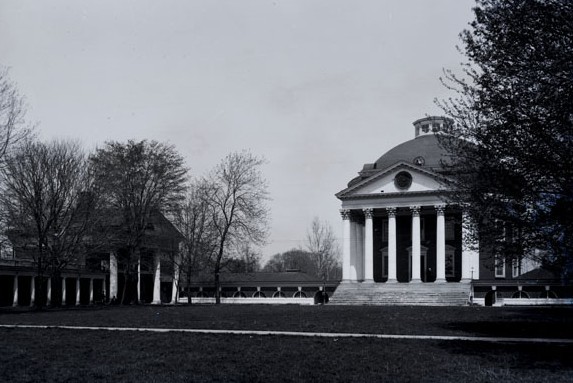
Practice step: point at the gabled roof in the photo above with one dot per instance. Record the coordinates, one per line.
(383, 172)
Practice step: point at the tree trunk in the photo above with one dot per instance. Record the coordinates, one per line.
(217, 286)
(189, 285)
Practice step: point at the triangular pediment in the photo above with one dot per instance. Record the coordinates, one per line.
(401, 178)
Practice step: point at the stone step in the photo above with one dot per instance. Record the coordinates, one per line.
(441, 294)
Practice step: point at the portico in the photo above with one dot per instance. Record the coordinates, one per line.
(398, 226)
(421, 249)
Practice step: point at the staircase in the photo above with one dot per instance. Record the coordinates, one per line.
(401, 294)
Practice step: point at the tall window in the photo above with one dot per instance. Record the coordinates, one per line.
(516, 268)
(499, 266)
(385, 230)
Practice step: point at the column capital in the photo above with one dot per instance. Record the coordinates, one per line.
(440, 209)
(391, 212)
(345, 213)
(368, 213)
(415, 210)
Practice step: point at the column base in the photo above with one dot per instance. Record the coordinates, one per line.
(392, 281)
(441, 280)
(468, 280)
(156, 302)
(368, 281)
(415, 281)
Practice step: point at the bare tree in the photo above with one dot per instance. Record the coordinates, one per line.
(194, 221)
(12, 114)
(237, 195)
(137, 180)
(323, 247)
(48, 208)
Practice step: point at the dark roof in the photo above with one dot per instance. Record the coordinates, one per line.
(275, 278)
(425, 146)
(539, 274)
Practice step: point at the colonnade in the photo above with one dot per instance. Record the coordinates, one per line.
(358, 246)
(16, 290)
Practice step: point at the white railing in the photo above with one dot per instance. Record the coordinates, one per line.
(252, 301)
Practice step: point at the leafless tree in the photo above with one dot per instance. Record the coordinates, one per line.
(137, 180)
(47, 203)
(12, 113)
(323, 248)
(237, 195)
(194, 221)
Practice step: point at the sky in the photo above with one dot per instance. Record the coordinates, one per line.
(317, 87)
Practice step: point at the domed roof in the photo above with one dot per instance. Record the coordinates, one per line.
(424, 151)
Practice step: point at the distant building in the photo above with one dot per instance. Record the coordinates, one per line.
(403, 243)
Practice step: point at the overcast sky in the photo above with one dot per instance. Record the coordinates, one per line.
(316, 87)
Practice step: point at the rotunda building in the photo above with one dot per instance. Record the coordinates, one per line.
(398, 227)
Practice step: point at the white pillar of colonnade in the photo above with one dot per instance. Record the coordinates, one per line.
(346, 245)
(64, 291)
(175, 286)
(78, 291)
(368, 246)
(440, 244)
(49, 292)
(157, 281)
(15, 291)
(392, 264)
(113, 286)
(416, 246)
(32, 291)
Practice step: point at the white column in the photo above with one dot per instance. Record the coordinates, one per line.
(49, 292)
(368, 246)
(77, 291)
(139, 277)
(440, 244)
(32, 291)
(112, 276)
(392, 265)
(157, 281)
(64, 291)
(470, 252)
(415, 244)
(346, 245)
(353, 254)
(15, 292)
(91, 291)
(360, 250)
(175, 287)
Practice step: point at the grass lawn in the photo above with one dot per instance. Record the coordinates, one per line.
(28, 355)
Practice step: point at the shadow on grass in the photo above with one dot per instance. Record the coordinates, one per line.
(515, 356)
(514, 329)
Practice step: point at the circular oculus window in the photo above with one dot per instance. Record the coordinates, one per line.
(403, 180)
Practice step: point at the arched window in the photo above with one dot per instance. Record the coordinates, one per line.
(299, 294)
(279, 294)
(520, 294)
(202, 294)
(549, 294)
(239, 294)
(259, 294)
